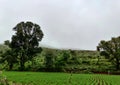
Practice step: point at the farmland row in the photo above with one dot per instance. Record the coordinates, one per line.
(40, 78)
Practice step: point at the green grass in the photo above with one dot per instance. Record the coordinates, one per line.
(41, 78)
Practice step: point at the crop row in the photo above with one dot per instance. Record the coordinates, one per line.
(40, 78)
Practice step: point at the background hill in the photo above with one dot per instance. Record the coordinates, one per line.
(67, 60)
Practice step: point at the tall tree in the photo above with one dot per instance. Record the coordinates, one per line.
(111, 50)
(49, 60)
(25, 41)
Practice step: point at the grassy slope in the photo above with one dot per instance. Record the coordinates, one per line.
(40, 78)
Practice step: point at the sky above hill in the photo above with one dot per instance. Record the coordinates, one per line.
(73, 24)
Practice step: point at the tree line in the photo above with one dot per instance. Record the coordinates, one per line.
(24, 50)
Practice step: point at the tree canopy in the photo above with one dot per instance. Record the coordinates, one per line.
(111, 50)
(25, 41)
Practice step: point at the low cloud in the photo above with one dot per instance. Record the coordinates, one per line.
(75, 24)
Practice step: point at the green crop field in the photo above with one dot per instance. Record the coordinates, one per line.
(41, 78)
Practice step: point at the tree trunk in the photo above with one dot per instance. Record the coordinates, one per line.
(117, 67)
(10, 66)
(22, 66)
(117, 64)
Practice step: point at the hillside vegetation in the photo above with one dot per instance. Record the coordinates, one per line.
(23, 53)
(77, 61)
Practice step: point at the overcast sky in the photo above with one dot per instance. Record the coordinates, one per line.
(75, 24)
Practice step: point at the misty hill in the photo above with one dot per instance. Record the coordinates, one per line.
(86, 53)
(80, 60)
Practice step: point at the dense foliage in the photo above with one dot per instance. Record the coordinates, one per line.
(24, 53)
(64, 60)
(24, 44)
(111, 50)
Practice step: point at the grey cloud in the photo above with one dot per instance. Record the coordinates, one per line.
(79, 24)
